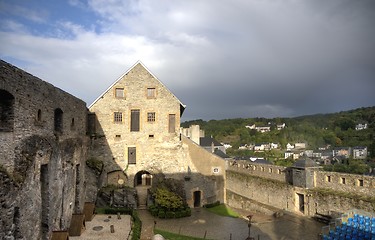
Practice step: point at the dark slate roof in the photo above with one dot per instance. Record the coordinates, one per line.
(220, 153)
(207, 141)
(305, 163)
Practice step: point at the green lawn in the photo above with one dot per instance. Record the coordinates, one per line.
(174, 236)
(223, 210)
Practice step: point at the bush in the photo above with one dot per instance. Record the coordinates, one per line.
(186, 212)
(178, 214)
(169, 214)
(161, 213)
(153, 210)
(126, 211)
(137, 226)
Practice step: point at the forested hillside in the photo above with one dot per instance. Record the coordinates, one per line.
(335, 129)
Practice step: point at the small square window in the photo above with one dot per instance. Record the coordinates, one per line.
(117, 117)
(343, 180)
(360, 182)
(119, 93)
(151, 92)
(151, 136)
(118, 136)
(151, 117)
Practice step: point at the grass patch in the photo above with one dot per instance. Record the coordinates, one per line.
(223, 210)
(174, 236)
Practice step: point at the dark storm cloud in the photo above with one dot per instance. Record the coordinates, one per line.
(223, 59)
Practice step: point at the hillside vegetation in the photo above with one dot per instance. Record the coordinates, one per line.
(320, 130)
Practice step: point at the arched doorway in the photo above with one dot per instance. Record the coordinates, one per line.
(143, 178)
(197, 195)
(6, 111)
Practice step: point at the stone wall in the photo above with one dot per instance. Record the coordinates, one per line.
(207, 174)
(42, 156)
(254, 186)
(345, 182)
(257, 169)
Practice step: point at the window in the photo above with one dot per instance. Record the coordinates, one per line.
(151, 92)
(39, 115)
(151, 117)
(58, 120)
(134, 120)
(117, 117)
(151, 136)
(360, 182)
(119, 93)
(279, 171)
(118, 136)
(172, 123)
(270, 170)
(343, 180)
(72, 124)
(328, 178)
(132, 159)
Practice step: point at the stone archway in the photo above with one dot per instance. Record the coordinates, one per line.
(143, 178)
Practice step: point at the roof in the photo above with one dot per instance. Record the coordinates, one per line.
(115, 82)
(220, 153)
(304, 163)
(207, 142)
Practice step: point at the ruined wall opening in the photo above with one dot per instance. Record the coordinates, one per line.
(6, 111)
(44, 186)
(58, 121)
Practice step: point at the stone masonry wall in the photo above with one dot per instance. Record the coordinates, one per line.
(253, 190)
(41, 168)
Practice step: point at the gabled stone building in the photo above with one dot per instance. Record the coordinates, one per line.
(136, 134)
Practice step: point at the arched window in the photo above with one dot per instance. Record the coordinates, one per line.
(6, 111)
(58, 120)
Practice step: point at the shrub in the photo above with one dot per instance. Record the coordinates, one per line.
(169, 214)
(186, 212)
(161, 213)
(137, 226)
(178, 214)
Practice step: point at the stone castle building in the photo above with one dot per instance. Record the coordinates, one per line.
(136, 133)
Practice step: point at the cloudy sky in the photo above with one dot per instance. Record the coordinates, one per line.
(222, 58)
